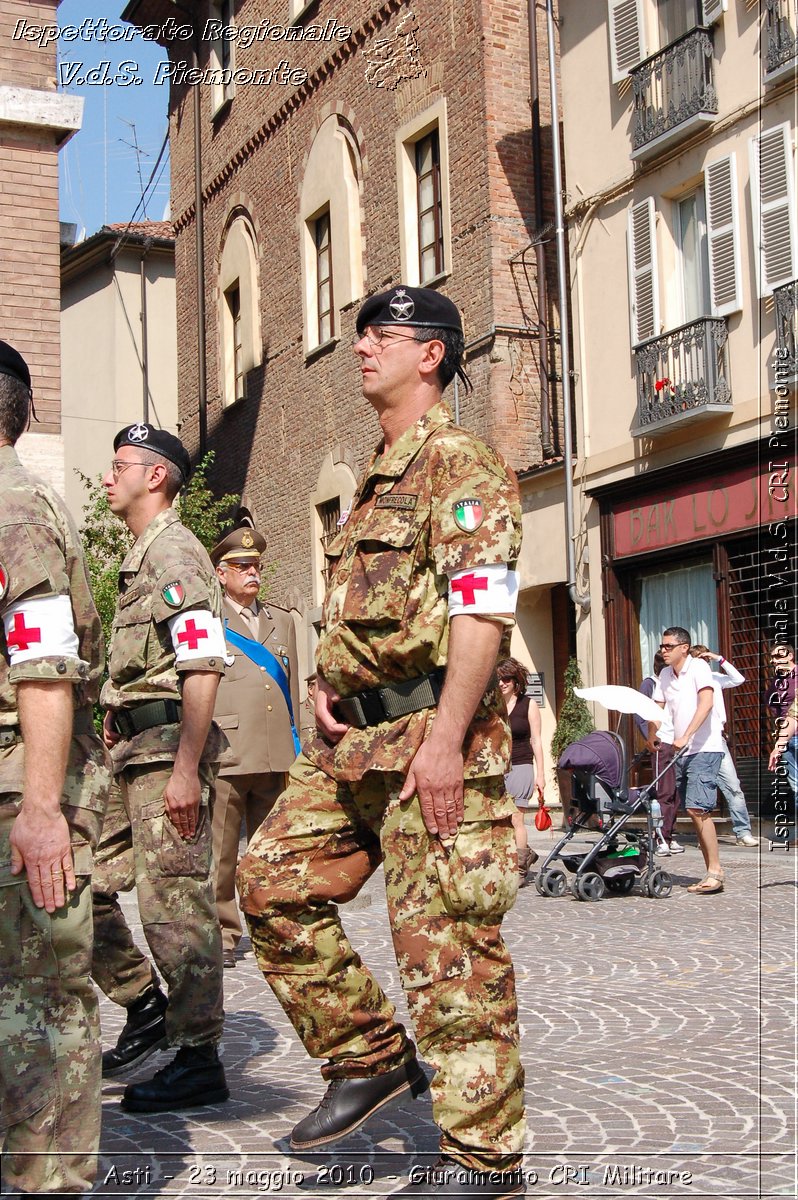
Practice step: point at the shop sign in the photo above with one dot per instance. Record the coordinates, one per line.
(691, 512)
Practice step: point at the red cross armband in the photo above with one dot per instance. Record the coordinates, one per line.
(43, 627)
(197, 633)
(488, 591)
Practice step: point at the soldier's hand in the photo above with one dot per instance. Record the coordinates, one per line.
(182, 797)
(326, 721)
(437, 776)
(110, 736)
(40, 843)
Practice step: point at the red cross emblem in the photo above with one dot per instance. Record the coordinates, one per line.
(191, 635)
(20, 637)
(469, 585)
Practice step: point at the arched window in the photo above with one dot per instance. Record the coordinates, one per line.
(330, 241)
(239, 308)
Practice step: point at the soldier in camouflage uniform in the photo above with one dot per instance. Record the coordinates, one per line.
(167, 656)
(54, 779)
(409, 770)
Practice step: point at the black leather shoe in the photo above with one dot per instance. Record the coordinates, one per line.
(195, 1076)
(144, 1033)
(347, 1103)
(449, 1178)
(228, 958)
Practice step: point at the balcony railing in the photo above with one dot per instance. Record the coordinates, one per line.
(673, 90)
(785, 356)
(781, 44)
(682, 374)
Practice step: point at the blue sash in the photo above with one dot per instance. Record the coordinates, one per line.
(262, 657)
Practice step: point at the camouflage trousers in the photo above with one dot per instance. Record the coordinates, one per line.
(319, 845)
(141, 848)
(49, 1035)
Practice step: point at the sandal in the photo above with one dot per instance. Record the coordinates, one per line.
(711, 883)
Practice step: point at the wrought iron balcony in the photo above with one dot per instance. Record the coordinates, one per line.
(681, 375)
(784, 364)
(674, 90)
(781, 43)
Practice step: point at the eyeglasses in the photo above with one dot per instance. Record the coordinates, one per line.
(671, 645)
(379, 337)
(118, 465)
(243, 568)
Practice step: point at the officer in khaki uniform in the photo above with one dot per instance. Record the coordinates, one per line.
(167, 656)
(257, 706)
(54, 780)
(408, 769)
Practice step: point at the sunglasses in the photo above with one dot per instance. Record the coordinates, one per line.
(671, 645)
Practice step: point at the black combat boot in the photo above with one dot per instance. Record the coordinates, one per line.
(143, 1034)
(347, 1103)
(194, 1076)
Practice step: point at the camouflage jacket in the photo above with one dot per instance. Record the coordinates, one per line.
(40, 557)
(165, 571)
(386, 615)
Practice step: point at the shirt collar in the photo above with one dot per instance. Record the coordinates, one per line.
(8, 457)
(242, 608)
(157, 525)
(394, 462)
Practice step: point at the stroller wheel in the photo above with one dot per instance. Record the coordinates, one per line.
(622, 886)
(551, 882)
(589, 887)
(658, 885)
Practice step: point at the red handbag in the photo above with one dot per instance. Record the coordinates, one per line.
(542, 816)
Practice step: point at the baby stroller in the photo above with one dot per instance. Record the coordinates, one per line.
(605, 804)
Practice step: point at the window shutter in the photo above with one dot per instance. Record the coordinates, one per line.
(626, 37)
(773, 204)
(723, 237)
(712, 11)
(643, 287)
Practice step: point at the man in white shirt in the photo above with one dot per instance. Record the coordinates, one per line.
(686, 691)
(728, 780)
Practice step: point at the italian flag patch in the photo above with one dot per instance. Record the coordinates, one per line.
(173, 594)
(468, 514)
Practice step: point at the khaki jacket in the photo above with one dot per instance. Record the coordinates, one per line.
(250, 707)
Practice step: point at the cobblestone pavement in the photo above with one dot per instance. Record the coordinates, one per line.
(658, 1039)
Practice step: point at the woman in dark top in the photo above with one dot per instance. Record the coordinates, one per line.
(525, 779)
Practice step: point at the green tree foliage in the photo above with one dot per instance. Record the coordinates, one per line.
(574, 721)
(106, 539)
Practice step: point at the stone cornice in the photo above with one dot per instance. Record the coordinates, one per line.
(50, 112)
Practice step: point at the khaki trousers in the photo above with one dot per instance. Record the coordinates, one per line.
(248, 798)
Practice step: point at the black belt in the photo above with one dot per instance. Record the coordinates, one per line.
(391, 701)
(82, 722)
(130, 721)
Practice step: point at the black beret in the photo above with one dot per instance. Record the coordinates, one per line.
(410, 306)
(243, 542)
(147, 437)
(12, 363)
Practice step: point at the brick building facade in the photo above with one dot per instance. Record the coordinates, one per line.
(402, 104)
(34, 121)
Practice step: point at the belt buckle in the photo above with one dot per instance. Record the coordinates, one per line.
(8, 737)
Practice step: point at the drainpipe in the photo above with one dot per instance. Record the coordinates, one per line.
(580, 599)
(145, 359)
(540, 249)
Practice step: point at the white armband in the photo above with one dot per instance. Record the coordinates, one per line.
(197, 633)
(490, 590)
(43, 627)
